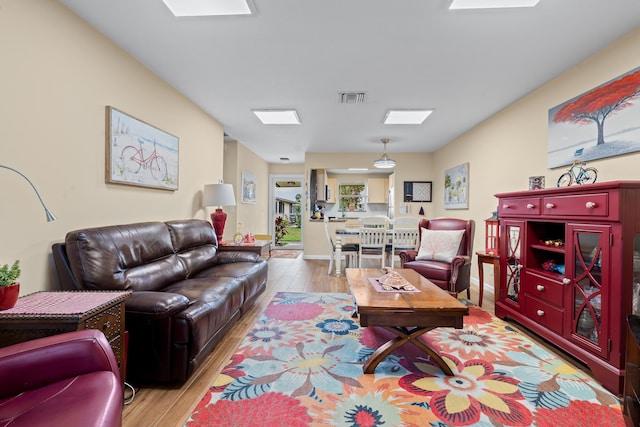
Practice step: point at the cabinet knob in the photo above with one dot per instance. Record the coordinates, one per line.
(540, 313)
(566, 281)
(106, 325)
(590, 205)
(530, 206)
(540, 288)
(550, 206)
(505, 206)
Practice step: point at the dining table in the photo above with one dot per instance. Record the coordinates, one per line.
(349, 235)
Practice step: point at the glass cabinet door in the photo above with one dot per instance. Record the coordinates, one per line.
(512, 244)
(589, 284)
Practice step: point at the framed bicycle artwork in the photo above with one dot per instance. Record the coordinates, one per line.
(139, 154)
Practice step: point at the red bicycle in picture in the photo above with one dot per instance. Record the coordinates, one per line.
(133, 160)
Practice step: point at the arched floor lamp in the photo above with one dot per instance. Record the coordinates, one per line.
(50, 216)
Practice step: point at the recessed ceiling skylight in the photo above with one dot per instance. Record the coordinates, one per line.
(278, 117)
(491, 4)
(406, 117)
(208, 7)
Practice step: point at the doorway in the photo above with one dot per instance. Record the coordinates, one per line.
(286, 195)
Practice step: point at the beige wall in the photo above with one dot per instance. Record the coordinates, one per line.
(512, 145)
(253, 217)
(58, 74)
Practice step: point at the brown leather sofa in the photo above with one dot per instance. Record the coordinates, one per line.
(70, 380)
(186, 294)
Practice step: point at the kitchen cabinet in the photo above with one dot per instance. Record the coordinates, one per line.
(378, 190)
(569, 264)
(332, 187)
(321, 185)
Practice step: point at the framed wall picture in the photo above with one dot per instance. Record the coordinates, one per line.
(139, 154)
(417, 191)
(248, 188)
(600, 123)
(456, 187)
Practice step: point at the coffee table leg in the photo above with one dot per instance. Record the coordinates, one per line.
(404, 335)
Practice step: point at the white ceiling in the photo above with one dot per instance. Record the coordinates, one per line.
(300, 54)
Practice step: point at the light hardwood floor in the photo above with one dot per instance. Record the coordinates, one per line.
(170, 406)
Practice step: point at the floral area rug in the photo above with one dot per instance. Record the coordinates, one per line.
(301, 365)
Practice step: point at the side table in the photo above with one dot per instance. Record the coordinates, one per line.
(260, 247)
(484, 258)
(42, 314)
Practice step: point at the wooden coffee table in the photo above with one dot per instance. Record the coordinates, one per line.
(407, 314)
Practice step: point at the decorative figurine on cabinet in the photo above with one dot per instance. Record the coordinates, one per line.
(578, 174)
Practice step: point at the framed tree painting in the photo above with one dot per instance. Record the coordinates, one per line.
(456, 187)
(139, 154)
(601, 122)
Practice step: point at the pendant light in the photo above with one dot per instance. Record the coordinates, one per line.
(384, 162)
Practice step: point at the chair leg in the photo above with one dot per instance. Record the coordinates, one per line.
(331, 255)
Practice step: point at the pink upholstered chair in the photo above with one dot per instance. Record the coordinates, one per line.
(71, 379)
(453, 276)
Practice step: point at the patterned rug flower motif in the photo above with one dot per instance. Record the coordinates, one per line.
(301, 365)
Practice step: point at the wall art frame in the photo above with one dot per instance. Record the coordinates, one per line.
(599, 123)
(249, 185)
(456, 187)
(139, 154)
(418, 191)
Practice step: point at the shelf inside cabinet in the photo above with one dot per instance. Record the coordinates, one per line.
(556, 249)
(552, 275)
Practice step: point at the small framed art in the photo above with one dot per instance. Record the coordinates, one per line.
(417, 191)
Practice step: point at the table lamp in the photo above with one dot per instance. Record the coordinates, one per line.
(218, 195)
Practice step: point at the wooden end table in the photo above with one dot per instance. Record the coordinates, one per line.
(42, 314)
(260, 247)
(484, 258)
(407, 314)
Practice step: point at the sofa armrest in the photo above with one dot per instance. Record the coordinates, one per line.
(155, 304)
(406, 256)
(229, 257)
(33, 364)
(460, 267)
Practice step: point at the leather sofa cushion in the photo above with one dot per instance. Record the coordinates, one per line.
(214, 301)
(252, 275)
(135, 256)
(195, 243)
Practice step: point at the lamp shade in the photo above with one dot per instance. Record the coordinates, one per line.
(218, 195)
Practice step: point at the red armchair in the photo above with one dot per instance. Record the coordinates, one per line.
(70, 379)
(454, 276)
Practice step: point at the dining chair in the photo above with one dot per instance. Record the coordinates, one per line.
(350, 250)
(405, 236)
(373, 238)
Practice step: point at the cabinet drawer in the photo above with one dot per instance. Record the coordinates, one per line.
(543, 313)
(544, 289)
(519, 206)
(107, 321)
(595, 204)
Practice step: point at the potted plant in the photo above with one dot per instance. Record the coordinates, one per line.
(9, 287)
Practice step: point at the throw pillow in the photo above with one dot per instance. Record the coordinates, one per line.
(439, 245)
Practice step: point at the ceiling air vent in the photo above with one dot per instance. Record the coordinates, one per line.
(351, 97)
